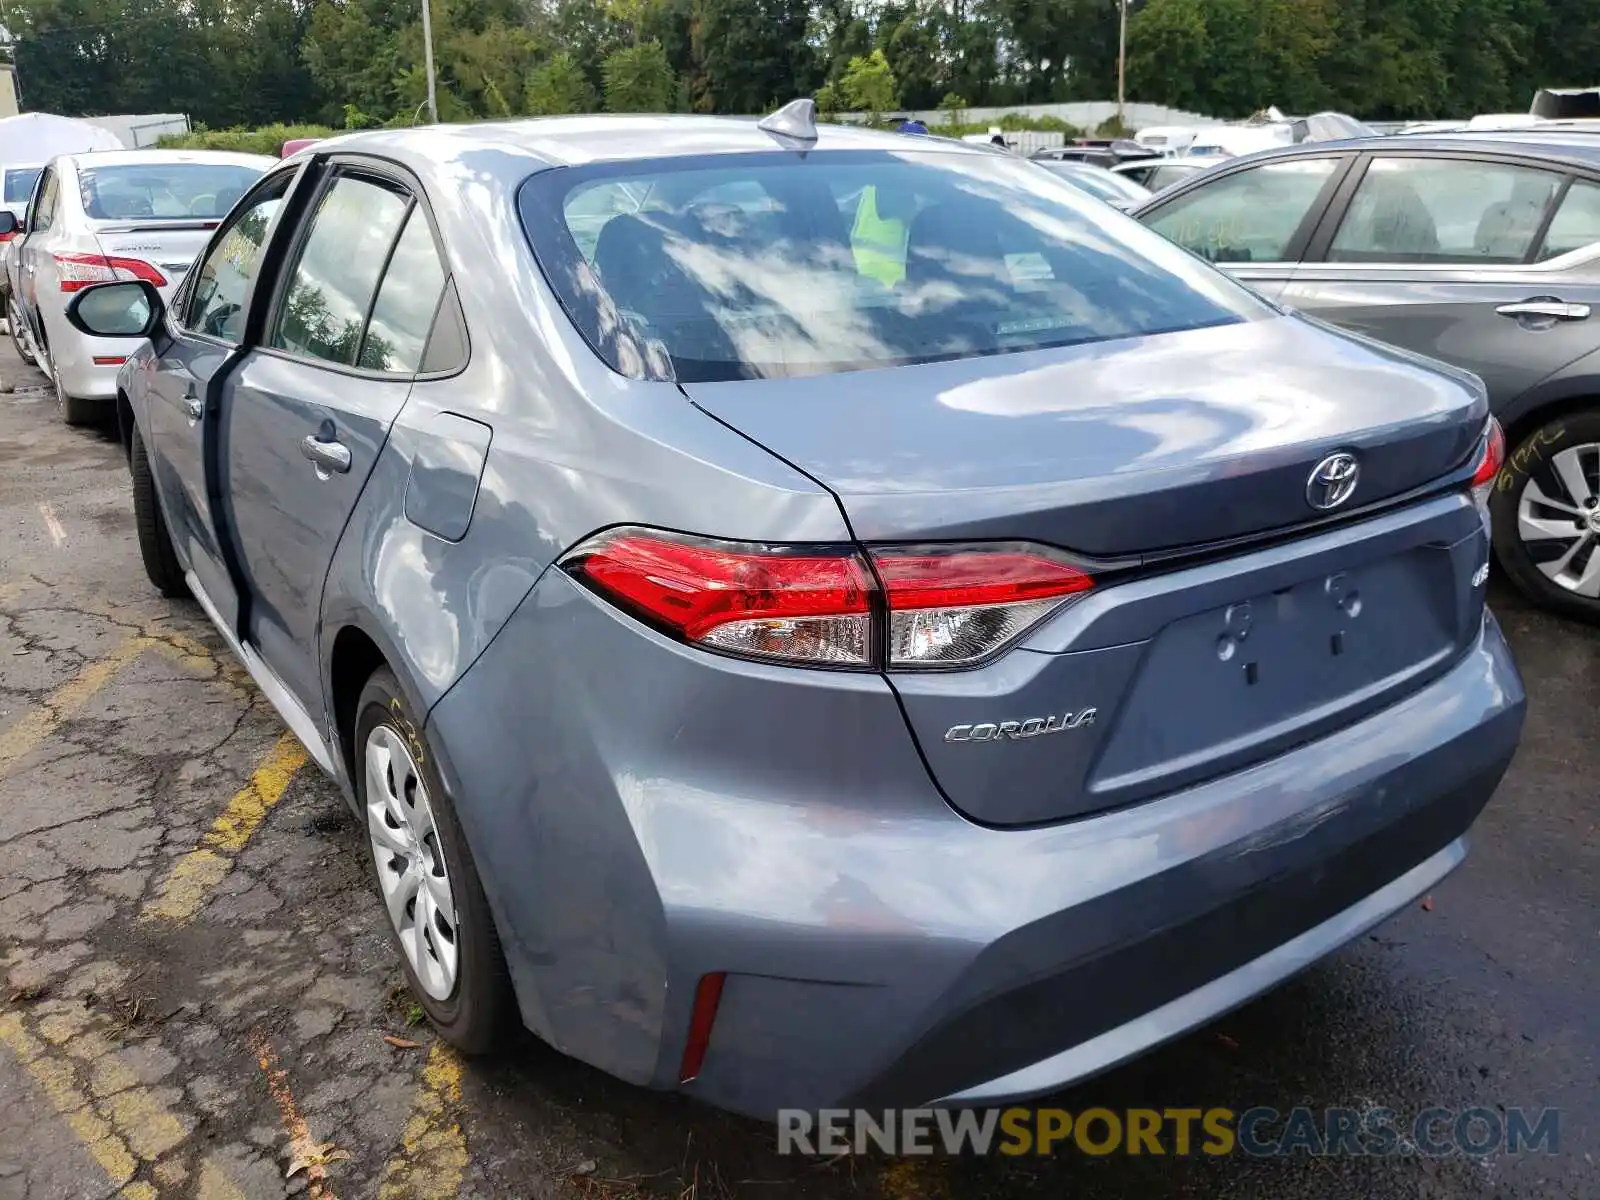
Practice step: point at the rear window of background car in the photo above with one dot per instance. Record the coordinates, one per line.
(760, 265)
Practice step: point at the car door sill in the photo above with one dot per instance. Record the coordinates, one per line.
(294, 714)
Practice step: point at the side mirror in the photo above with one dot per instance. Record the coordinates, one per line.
(123, 309)
(8, 222)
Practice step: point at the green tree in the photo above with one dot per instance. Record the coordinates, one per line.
(638, 79)
(750, 55)
(558, 86)
(868, 85)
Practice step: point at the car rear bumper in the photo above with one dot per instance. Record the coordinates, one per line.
(88, 365)
(644, 814)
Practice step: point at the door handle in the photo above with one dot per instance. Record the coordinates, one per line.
(1548, 310)
(327, 456)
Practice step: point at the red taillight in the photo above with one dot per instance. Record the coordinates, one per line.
(78, 271)
(949, 607)
(943, 606)
(706, 998)
(6, 237)
(1490, 460)
(758, 601)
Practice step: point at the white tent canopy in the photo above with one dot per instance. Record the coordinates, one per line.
(39, 137)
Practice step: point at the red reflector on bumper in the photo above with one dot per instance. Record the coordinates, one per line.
(706, 998)
(110, 360)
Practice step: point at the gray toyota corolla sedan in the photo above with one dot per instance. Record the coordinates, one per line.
(806, 616)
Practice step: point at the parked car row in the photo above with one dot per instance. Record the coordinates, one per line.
(806, 616)
(1482, 251)
(128, 214)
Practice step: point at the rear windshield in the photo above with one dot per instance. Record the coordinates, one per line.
(761, 265)
(171, 190)
(19, 183)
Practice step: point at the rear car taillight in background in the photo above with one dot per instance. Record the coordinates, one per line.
(829, 606)
(78, 271)
(1490, 459)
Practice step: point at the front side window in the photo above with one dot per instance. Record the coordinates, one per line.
(760, 265)
(1441, 210)
(1576, 224)
(163, 191)
(1248, 216)
(215, 306)
(324, 310)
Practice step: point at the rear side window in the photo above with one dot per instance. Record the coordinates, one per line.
(407, 300)
(1246, 216)
(45, 211)
(759, 265)
(1576, 223)
(323, 313)
(1440, 210)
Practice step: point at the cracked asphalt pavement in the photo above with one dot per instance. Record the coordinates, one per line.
(196, 982)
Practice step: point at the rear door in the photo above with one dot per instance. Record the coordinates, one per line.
(33, 254)
(1253, 222)
(1467, 258)
(309, 408)
(206, 327)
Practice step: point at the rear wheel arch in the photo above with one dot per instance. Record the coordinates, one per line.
(1541, 413)
(353, 660)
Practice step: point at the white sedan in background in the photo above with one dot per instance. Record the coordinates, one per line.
(118, 214)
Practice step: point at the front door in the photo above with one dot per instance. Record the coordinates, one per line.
(1462, 259)
(204, 332)
(308, 411)
(1252, 222)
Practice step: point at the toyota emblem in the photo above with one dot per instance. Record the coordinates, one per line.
(1333, 481)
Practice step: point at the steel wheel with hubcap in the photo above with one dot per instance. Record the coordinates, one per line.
(1546, 507)
(426, 876)
(411, 867)
(19, 340)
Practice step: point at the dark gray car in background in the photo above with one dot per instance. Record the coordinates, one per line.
(1481, 250)
(805, 616)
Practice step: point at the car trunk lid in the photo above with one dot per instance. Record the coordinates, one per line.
(169, 246)
(1190, 657)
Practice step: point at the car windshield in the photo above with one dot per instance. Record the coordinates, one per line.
(19, 183)
(163, 190)
(759, 265)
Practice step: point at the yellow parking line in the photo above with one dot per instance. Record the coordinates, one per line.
(433, 1151)
(119, 1121)
(184, 891)
(39, 723)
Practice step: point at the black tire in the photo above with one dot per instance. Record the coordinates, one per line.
(478, 1015)
(73, 409)
(1534, 462)
(18, 343)
(155, 543)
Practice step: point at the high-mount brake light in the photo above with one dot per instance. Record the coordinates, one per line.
(78, 271)
(1490, 459)
(941, 606)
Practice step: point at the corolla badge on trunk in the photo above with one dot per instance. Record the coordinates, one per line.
(1033, 727)
(1332, 481)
